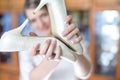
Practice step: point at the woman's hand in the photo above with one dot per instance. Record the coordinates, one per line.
(47, 50)
(82, 65)
(71, 30)
(50, 61)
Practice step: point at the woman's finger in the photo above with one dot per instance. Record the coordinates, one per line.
(44, 47)
(58, 53)
(35, 50)
(68, 19)
(51, 49)
(68, 29)
(73, 33)
(77, 40)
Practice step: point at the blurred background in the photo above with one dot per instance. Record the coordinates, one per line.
(99, 23)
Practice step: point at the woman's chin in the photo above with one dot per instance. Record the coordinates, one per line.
(47, 33)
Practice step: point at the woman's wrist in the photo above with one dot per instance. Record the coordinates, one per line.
(82, 66)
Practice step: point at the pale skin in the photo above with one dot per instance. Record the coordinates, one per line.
(41, 22)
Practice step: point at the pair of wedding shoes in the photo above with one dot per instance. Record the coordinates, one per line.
(14, 41)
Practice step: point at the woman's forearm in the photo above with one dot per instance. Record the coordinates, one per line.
(43, 69)
(82, 67)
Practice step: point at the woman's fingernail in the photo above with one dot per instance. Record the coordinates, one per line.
(65, 22)
(43, 56)
(57, 60)
(66, 38)
(72, 42)
(49, 58)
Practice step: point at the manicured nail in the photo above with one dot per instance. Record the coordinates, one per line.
(49, 58)
(72, 42)
(43, 56)
(66, 38)
(57, 60)
(65, 22)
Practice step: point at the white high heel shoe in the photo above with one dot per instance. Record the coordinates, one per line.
(14, 41)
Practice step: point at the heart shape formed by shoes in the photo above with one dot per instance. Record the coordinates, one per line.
(14, 41)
